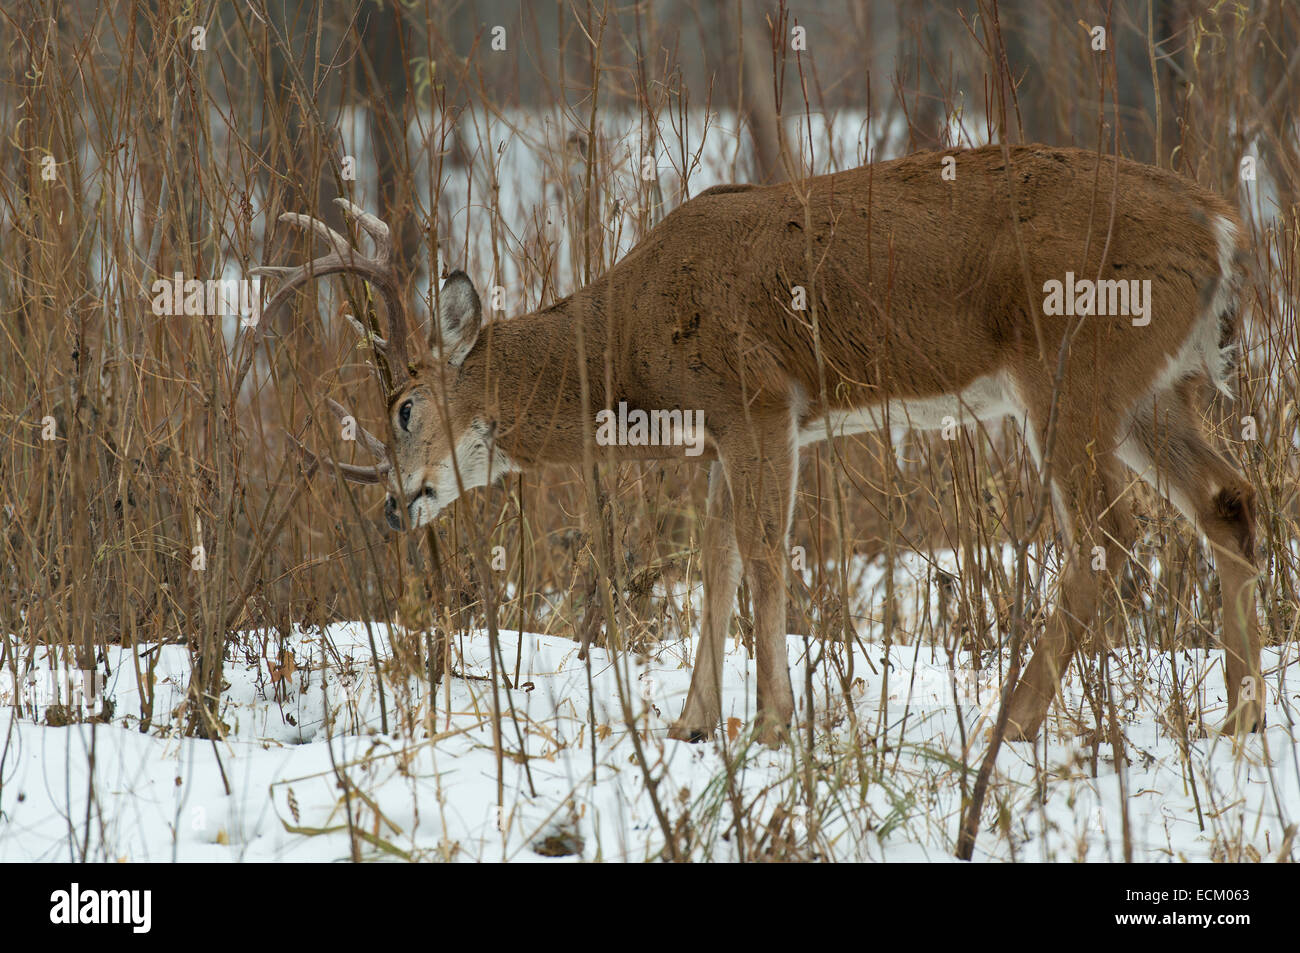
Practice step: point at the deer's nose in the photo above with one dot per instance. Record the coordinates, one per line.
(392, 515)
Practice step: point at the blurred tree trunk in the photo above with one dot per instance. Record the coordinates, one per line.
(756, 102)
(1051, 57)
(920, 43)
(382, 61)
(305, 144)
(1169, 22)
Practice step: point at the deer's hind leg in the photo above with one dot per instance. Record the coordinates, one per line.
(1167, 445)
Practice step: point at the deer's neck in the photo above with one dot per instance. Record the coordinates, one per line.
(526, 376)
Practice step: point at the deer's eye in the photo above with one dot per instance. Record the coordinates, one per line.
(404, 415)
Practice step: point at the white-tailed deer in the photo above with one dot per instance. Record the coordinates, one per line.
(790, 312)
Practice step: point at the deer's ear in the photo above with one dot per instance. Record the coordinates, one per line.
(460, 315)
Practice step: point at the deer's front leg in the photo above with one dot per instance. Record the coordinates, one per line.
(762, 482)
(721, 565)
(766, 576)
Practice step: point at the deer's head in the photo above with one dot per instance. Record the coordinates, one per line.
(441, 442)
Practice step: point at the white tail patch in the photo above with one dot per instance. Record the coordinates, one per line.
(1200, 352)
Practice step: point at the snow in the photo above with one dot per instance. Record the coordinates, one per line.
(886, 778)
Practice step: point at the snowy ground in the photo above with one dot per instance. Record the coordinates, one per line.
(428, 789)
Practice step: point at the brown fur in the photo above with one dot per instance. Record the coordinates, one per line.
(1234, 506)
(919, 287)
(919, 290)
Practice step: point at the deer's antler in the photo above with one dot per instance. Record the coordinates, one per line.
(377, 270)
(345, 259)
(349, 471)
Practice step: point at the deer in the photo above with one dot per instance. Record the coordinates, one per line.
(926, 297)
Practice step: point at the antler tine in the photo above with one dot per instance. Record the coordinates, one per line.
(381, 236)
(336, 241)
(375, 227)
(348, 471)
(373, 444)
(379, 344)
(343, 258)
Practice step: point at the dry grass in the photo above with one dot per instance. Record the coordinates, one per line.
(167, 431)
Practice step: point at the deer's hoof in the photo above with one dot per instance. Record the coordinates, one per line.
(772, 732)
(1248, 718)
(1024, 728)
(1026, 717)
(684, 732)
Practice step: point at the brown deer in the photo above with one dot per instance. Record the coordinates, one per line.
(795, 312)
